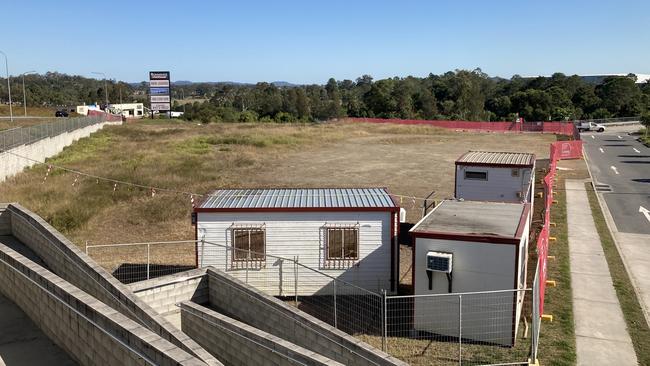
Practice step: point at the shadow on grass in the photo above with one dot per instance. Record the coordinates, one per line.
(134, 272)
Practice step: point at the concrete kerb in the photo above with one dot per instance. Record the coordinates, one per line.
(611, 226)
(89, 314)
(101, 283)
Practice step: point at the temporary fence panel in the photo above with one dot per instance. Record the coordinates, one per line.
(135, 262)
(562, 128)
(477, 328)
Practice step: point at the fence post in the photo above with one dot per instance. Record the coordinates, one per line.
(460, 329)
(247, 256)
(335, 319)
(203, 251)
(148, 259)
(384, 318)
(295, 279)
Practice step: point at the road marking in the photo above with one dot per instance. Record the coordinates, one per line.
(592, 136)
(614, 169)
(601, 150)
(619, 137)
(645, 212)
(636, 151)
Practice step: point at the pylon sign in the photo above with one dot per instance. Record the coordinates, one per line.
(159, 91)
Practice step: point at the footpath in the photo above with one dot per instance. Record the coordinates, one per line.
(601, 333)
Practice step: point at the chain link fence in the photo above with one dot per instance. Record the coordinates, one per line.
(477, 328)
(15, 137)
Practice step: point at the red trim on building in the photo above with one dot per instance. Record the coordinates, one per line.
(522, 221)
(489, 239)
(297, 209)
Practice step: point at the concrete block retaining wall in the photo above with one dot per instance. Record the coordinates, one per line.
(163, 293)
(5, 220)
(69, 262)
(239, 344)
(241, 301)
(91, 332)
(42, 149)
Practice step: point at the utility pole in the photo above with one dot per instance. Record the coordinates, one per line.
(24, 92)
(105, 86)
(11, 110)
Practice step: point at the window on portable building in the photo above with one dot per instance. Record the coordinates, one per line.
(475, 175)
(249, 244)
(342, 243)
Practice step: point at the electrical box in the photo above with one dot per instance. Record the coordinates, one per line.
(439, 262)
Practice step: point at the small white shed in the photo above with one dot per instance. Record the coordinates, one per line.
(350, 234)
(471, 246)
(495, 176)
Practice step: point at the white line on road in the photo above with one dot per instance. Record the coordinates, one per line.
(614, 169)
(636, 150)
(619, 136)
(601, 150)
(645, 212)
(592, 136)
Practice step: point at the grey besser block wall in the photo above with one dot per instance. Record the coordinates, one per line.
(238, 344)
(163, 293)
(5, 220)
(69, 262)
(271, 315)
(75, 333)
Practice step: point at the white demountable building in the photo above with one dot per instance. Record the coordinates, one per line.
(495, 176)
(349, 234)
(128, 110)
(471, 246)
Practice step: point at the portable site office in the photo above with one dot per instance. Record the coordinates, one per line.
(347, 233)
(495, 176)
(471, 246)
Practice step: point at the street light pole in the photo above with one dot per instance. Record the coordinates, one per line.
(24, 93)
(11, 111)
(183, 92)
(105, 86)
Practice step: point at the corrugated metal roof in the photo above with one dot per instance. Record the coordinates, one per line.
(473, 217)
(299, 198)
(496, 158)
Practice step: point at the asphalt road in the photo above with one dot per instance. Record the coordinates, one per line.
(618, 160)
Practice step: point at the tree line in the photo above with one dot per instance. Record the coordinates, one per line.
(54, 89)
(457, 95)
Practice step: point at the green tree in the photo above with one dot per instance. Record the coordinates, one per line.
(645, 121)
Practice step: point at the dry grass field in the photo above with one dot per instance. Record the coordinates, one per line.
(409, 160)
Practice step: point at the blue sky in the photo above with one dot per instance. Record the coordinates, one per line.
(309, 41)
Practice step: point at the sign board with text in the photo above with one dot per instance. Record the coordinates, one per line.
(159, 91)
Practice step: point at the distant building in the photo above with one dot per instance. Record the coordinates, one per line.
(82, 110)
(128, 110)
(349, 234)
(599, 79)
